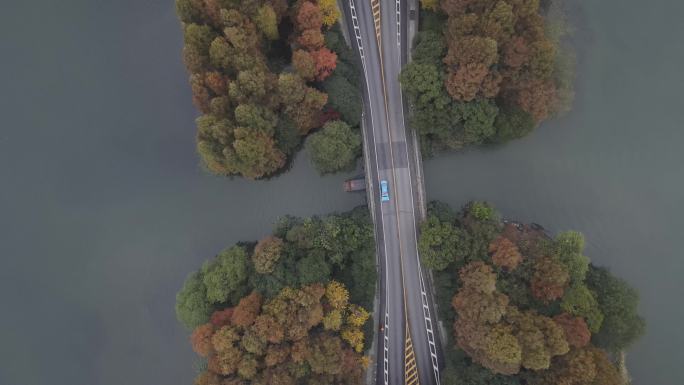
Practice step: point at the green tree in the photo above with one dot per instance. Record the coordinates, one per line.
(434, 114)
(622, 325)
(475, 374)
(478, 120)
(313, 268)
(287, 136)
(442, 211)
(502, 351)
(301, 103)
(304, 64)
(482, 224)
(326, 354)
(539, 337)
(220, 53)
(482, 211)
(225, 276)
(569, 246)
(291, 89)
(503, 52)
(192, 307)
(334, 40)
(440, 243)
(334, 148)
(344, 97)
(423, 83)
(266, 20)
(250, 86)
(188, 12)
(429, 47)
(257, 153)
(198, 38)
(512, 123)
(580, 301)
(333, 320)
(256, 118)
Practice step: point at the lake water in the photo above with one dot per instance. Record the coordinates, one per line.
(104, 208)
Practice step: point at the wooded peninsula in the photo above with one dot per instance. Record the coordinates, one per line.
(523, 307)
(264, 75)
(292, 308)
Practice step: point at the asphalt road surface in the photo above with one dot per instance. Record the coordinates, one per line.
(378, 32)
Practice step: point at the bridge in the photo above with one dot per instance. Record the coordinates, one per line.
(407, 347)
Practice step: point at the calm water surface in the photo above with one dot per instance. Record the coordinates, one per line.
(612, 169)
(104, 209)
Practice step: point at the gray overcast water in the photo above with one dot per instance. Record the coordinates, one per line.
(104, 208)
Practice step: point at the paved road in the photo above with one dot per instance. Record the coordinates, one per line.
(405, 307)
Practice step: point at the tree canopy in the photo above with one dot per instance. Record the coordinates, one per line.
(255, 106)
(498, 63)
(290, 308)
(334, 148)
(192, 306)
(284, 337)
(439, 243)
(528, 309)
(621, 325)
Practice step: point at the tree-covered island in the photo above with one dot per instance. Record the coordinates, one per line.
(521, 307)
(487, 71)
(265, 74)
(290, 309)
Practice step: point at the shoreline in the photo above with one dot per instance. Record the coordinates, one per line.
(621, 363)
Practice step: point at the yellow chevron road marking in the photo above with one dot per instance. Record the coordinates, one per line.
(410, 368)
(375, 6)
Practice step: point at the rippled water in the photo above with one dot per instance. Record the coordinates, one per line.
(104, 209)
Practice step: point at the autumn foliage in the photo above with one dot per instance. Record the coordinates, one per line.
(266, 254)
(575, 329)
(497, 334)
(325, 62)
(284, 338)
(549, 279)
(505, 253)
(586, 366)
(487, 71)
(228, 52)
(309, 21)
(532, 309)
(288, 309)
(499, 48)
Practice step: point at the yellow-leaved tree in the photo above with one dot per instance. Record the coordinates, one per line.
(330, 11)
